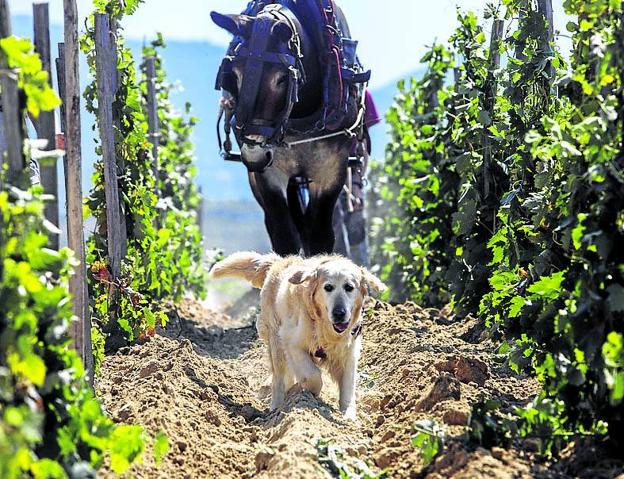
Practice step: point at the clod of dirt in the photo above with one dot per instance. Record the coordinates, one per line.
(446, 387)
(125, 412)
(466, 370)
(263, 458)
(149, 369)
(455, 417)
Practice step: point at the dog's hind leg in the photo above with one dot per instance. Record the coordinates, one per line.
(278, 375)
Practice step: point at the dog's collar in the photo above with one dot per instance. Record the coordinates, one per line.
(320, 353)
(357, 330)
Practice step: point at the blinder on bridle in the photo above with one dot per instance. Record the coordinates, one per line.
(254, 50)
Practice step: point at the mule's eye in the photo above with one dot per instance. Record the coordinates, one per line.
(348, 288)
(281, 80)
(329, 288)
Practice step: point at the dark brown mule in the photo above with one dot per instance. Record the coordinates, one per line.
(276, 169)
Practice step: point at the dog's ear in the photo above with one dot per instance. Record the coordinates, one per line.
(372, 282)
(302, 275)
(235, 24)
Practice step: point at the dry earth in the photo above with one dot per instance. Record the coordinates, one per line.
(199, 381)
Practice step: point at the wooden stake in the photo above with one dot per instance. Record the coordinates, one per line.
(545, 7)
(200, 211)
(3, 144)
(12, 119)
(498, 28)
(106, 79)
(46, 125)
(81, 331)
(152, 110)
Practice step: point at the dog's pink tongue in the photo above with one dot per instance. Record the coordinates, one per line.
(342, 327)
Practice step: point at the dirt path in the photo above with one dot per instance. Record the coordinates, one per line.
(201, 388)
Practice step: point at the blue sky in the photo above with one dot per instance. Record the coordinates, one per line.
(393, 34)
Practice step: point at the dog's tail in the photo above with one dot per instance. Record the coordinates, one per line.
(252, 267)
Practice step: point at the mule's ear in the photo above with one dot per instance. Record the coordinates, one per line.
(235, 24)
(282, 31)
(302, 275)
(373, 282)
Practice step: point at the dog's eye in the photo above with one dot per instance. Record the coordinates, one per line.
(348, 288)
(329, 288)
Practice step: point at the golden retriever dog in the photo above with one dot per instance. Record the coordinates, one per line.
(310, 318)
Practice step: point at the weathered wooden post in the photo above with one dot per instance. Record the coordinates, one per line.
(2, 143)
(106, 72)
(12, 119)
(5, 28)
(545, 7)
(152, 110)
(498, 27)
(200, 211)
(81, 331)
(46, 124)
(520, 46)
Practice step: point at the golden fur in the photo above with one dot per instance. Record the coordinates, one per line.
(310, 316)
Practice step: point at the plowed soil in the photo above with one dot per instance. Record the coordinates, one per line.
(200, 381)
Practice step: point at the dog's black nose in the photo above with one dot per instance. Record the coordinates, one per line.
(339, 314)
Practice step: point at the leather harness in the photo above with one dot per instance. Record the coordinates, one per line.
(340, 66)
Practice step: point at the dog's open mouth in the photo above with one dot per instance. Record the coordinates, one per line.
(341, 327)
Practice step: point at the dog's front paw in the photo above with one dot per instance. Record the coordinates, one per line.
(313, 383)
(350, 413)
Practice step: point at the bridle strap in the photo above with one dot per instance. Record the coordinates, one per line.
(253, 70)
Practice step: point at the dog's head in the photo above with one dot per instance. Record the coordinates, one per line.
(337, 290)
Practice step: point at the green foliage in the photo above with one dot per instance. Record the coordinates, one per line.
(50, 423)
(429, 438)
(489, 427)
(164, 250)
(417, 188)
(31, 78)
(336, 462)
(161, 447)
(535, 182)
(179, 197)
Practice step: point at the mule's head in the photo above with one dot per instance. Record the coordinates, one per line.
(262, 73)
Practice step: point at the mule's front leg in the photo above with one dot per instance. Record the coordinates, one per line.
(270, 193)
(321, 214)
(325, 189)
